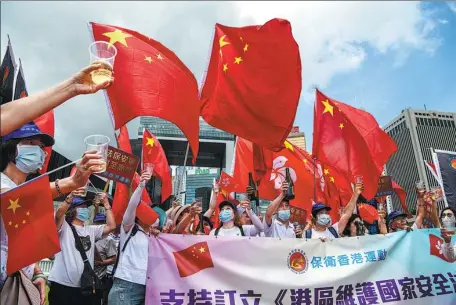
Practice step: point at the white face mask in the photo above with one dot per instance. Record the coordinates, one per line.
(324, 219)
(449, 222)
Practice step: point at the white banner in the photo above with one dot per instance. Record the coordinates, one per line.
(398, 268)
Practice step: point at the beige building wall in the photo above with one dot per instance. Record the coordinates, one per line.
(298, 139)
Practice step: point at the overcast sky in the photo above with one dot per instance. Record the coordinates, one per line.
(382, 56)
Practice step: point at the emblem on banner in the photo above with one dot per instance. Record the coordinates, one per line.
(297, 261)
(453, 163)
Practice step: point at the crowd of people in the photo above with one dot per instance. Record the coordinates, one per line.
(118, 255)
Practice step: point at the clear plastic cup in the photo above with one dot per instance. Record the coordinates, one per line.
(148, 168)
(99, 143)
(105, 53)
(358, 179)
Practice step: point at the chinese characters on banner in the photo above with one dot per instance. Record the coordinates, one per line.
(121, 166)
(346, 271)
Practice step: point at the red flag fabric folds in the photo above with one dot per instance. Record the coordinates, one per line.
(435, 247)
(28, 215)
(150, 81)
(351, 141)
(152, 152)
(253, 82)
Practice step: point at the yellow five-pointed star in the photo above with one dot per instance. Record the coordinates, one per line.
(222, 42)
(148, 59)
(16, 226)
(202, 250)
(237, 60)
(246, 47)
(331, 179)
(305, 160)
(159, 56)
(23, 221)
(10, 223)
(242, 39)
(288, 145)
(28, 213)
(328, 107)
(326, 171)
(225, 67)
(117, 36)
(14, 205)
(341, 126)
(150, 142)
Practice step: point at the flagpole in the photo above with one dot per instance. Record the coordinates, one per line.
(315, 178)
(183, 171)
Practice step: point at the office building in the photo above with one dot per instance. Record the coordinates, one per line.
(297, 138)
(416, 132)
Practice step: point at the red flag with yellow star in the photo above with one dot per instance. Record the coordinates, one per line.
(28, 215)
(253, 82)
(122, 194)
(153, 152)
(150, 80)
(351, 141)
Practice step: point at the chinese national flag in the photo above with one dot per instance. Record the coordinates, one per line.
(253, 82)
(153, 152)
(45, 122)
(122, 194)
(150, 80)
(193, 259)
(28, 215)
(436, 244)
(351, 141)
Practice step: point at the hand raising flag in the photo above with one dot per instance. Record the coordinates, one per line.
(351, 141)
(28, 215)
(150, 81)
(253, 82)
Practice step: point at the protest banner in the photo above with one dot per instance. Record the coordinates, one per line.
(121, 166)
(398, 268)
(385, 186)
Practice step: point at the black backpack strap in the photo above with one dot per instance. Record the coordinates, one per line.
(333, 232)
(242, 230)
(217, 231)
(134, 230)
(309, 233)
(79, 245)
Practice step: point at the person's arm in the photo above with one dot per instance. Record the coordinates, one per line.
(421, 204)
(110, 220)
(382, 223)
(272, 208)
(350, 207)
(39, 280)
(61, 211)
(184, 224)
(174, 204)
(80, 177)
(447, 248)
(434, 215)
(212, 202)
(129, 217)
(15, 114)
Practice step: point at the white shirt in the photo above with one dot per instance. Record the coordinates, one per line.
(68, 264)
(132, 265)
(325, 234)
(278, 229)
(249, 230)
(7, 183)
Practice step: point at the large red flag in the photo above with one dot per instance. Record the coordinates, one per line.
(122, 194)
(351, 141)
(401, 193)
(193, 259)
(28, 215)
(253, 82)
(152, 152)
(150, 81)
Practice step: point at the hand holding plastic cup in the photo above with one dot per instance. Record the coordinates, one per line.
(100, 144)
(104, 53)
(435, 192)
(82, 191)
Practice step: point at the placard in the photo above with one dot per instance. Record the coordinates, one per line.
(385, 186)
(121, 166)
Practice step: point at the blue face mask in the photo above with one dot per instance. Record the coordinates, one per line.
(226, 215)
(30, 158)
(284, 215)
(83, 214)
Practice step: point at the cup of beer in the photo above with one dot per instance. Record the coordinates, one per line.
(358, 179)
(104, 53)
(99, 143)
(148, 168)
